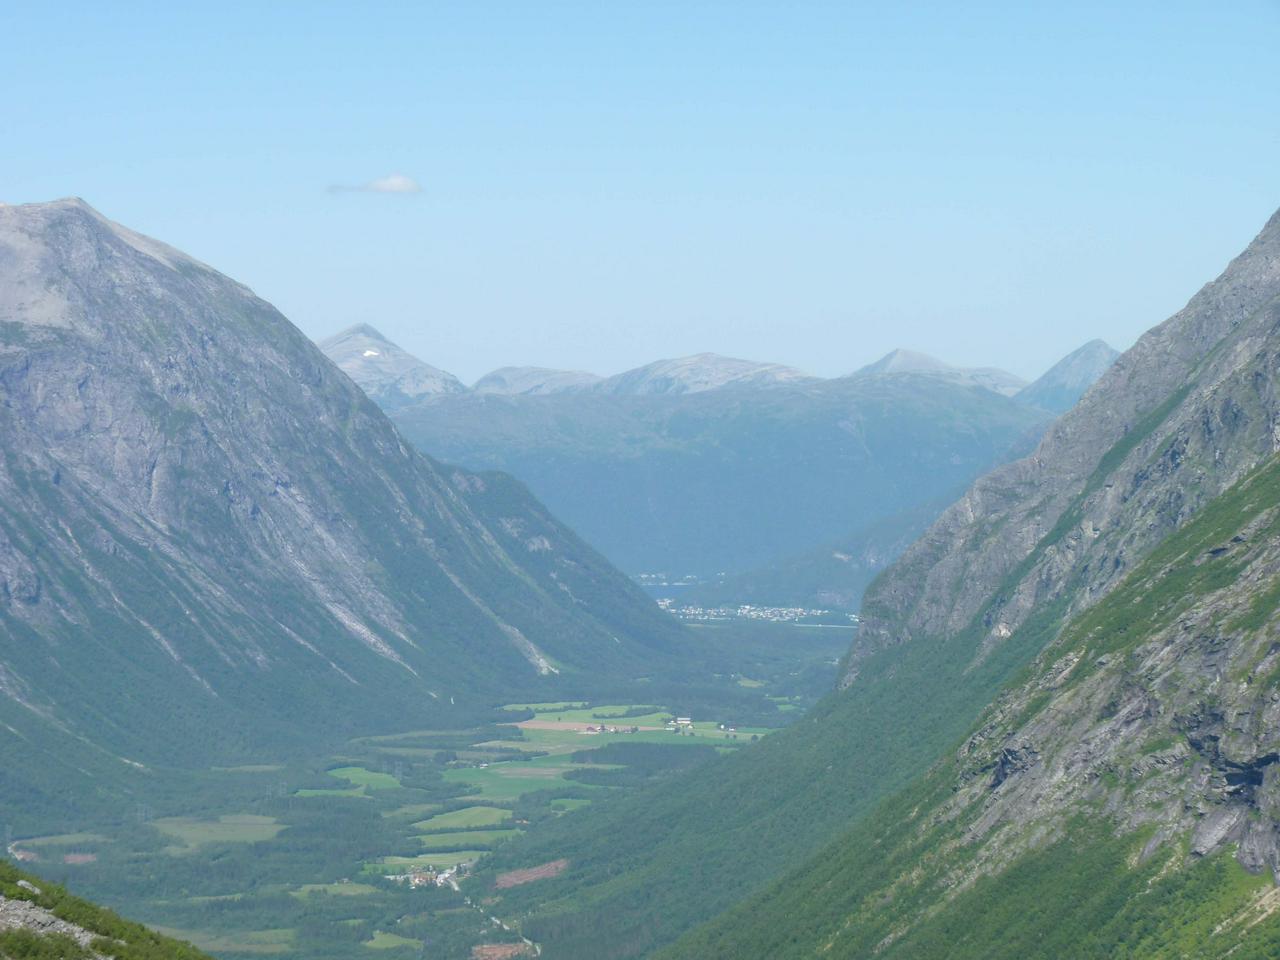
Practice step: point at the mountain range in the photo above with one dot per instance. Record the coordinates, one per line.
(664, 468)
(1055, 734)
(213, 544)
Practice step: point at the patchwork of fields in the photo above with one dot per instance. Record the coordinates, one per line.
(295, 860)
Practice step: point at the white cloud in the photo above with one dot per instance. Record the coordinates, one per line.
(391, 183)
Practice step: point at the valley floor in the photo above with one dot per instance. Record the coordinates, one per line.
(361, 851)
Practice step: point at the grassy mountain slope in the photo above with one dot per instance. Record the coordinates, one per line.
(1122, 801)
(1030, 548)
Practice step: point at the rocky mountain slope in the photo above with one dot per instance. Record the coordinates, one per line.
(41, 920)
(1132, 779)
(390, 376)
(1062, 385)
(1079, 651)
(212, 543)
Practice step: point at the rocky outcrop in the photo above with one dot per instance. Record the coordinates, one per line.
(24, 915)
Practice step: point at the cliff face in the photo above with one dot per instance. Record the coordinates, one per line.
(1179, 418)
(210, 538)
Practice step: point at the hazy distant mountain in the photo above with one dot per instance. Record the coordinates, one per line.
(534, 381)
(211, 541)
(724, 480)
(704, 371)
(390, 376)
(1065, 382)
(909, 361)
(707, 464)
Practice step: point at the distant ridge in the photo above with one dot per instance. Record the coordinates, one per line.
(698, 373)
(911, 361)
(535, 381)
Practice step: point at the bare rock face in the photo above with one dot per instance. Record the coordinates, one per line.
(203, 522)
(1157, 708)
(1175, 421)
(24, 915)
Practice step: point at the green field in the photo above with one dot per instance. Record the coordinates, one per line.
(514, 778)
(466, 838)
(388, 941)
(193, 833)
(469, 818)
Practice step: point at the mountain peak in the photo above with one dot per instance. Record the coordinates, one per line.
(358, 330)
(390, 375)
(903, 360)
(1059, 387)
(45, 237)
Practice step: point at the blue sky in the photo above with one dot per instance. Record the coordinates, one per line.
(607, 183)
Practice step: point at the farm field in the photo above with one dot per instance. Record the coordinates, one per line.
(482, 839)
(192, 833)
(468, 818)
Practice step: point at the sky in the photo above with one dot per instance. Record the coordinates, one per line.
(595, 185)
